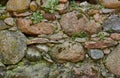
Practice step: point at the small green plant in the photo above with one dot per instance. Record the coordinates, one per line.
(74, 5)
(51, 6)
(81, 34)
(102, 35)
(37, 17)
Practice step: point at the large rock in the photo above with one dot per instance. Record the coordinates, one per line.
(74, 22)
(71, 24)
(111, 3)
(68, 51)
(12, 46)
(40, 70)
(18, 5)
(40, 28)
(113, 61)
(112, 24)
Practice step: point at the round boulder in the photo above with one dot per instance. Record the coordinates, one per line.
(68, 51)
(12, 46)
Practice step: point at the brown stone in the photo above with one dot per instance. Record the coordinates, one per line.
(115, 36)
(37, 41)
(108, 42)
(71, 24)
(36, 29)
(74, 22)
(111, 3)
(21, 14)
(18, 5)
(49, 16)
(68, 52)
(113, 61)
(93, 27)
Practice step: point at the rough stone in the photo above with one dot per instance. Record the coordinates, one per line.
(40, 70)
(82, 40)
(108, 42)
(113, 61)
(96, 54)
(106, 11)
(74, 22)
(36, 29)
(92, 27)
(49, 16)
(112, 24)
(42, 48)
(18, 5)
(115, 36)
(68, 51)
(12, 46)
(37, 41)
(15, 14)
(71, 24)
(58, 36)
(9, 21)
(3, 25)
(33, 54)
(111, 3)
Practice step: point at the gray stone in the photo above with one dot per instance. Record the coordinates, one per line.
(33, 54)
(113, 61)
(2, 70)
(61, 71)
(96, 54)
(112, 24)
(12, 46)
(42, 48)
(9, 21)
(40, 70)
(68, 51)
(105, 11)
(3, 25)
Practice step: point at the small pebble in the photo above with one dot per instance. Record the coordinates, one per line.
(96, 54)
(9, 21)
(80, 39)
(33, 6)
(106, 51)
